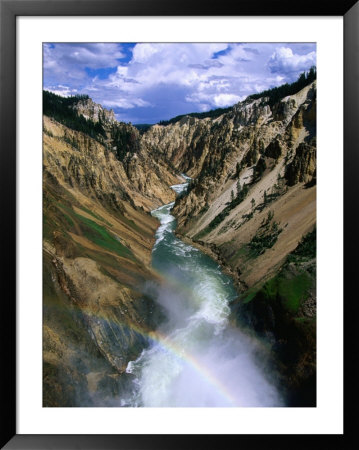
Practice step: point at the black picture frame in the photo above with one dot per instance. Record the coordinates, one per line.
(9, 10)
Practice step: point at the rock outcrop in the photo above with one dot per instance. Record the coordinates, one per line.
(251, 169)
(98, 237)
(303, 166)
(251, 202)
(87, 108)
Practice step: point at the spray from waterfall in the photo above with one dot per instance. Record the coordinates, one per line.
(195, 358)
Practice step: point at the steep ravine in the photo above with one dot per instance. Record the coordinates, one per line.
(97, 242)
(251, 206)
(196, 358)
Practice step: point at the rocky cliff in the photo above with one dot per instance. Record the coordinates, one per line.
(97, 241)
(251, 203)
(87, 108)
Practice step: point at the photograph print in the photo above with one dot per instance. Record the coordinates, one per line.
(179, 224)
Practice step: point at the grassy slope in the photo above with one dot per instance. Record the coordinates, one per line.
(284, 307)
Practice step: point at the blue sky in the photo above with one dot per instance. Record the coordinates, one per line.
(148, 82)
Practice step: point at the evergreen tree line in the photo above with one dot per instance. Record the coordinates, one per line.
(277, 93)
(125, 139)
(213, 114)
(142, 127)
(61, 109)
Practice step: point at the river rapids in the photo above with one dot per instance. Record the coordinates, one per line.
(196, 359)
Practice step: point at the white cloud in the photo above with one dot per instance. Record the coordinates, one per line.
(171, 79)
(64, 91)
(181, 64)
(209, 81)
(125, 103)
(222, 100)
(69, 61)
(143, 52)
(285, 61)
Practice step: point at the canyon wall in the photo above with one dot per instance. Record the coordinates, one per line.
(97, 241)
(251, 205)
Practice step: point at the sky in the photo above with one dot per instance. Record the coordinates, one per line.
(149, 82)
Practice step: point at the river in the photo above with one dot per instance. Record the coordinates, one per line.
(196, 358)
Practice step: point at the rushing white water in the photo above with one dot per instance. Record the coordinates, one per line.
(195, 358)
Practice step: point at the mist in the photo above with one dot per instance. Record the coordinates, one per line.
(195, 358)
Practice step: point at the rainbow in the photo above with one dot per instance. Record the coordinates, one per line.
(203, 371)
(165, 342)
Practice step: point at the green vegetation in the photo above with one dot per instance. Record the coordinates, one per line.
(238, 170)
(290, 287)
(239, 187)
(259, 169)
(125, 139)
(265, 238)
(213, 114)
(101, 237)
(143, 127)
(289, 291)
(284, 309)
(250, 294)
(293, 291)
(60, 216)
(306, 249)
(69, 220)
(277, 93)
(95, 216)
(61, 109)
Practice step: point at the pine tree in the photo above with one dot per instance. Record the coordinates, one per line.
(238, 187)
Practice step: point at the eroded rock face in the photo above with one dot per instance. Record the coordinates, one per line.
(210, 149)
(98, 238)
(252, 167)
(91, 110)
(230, 149)
(255, 166)
(78, 160)
(303, 166)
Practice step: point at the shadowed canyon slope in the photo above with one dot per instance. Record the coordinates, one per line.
(251, 205)
(98, 238)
